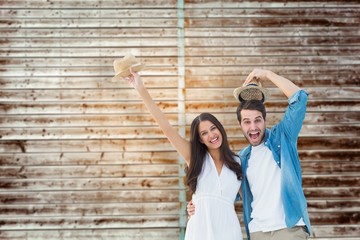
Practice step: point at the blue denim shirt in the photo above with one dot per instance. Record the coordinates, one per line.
(281, 139)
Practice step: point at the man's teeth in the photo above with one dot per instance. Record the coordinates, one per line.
(253, 135)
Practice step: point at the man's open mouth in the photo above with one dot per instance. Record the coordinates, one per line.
(254, 136)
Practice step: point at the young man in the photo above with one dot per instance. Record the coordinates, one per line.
(274, 204)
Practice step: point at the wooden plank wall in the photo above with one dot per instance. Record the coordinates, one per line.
(80, 156)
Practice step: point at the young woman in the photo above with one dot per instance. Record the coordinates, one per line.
(213, 172)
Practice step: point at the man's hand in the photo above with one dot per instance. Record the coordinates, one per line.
(257, 75)
(285, 85)
(190, 209)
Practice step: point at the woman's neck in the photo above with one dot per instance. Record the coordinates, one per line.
(215, 155)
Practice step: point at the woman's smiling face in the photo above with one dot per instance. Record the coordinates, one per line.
(253, 126)
(210, 135)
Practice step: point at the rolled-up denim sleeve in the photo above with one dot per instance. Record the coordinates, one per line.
(295, 114)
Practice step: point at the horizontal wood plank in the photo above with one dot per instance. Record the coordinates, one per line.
(333, 180)
(82, 82)
(83, 108)
(293, 21)
(320, 105)
(89, 197)
(341, 231)
(293, 71)
(94, 234)
(334, 205)
(94, 171)
(78, 4)
(36, 223)
(266, 12)
(341, 78)
(84, 95)
(348, 193)
(89, 158)
(88, 42)
(86, 51)
(92, 209)
(335, 218)
(267, 4)
(104, 71)
(92, 13)
(345, 166)
(82, 61)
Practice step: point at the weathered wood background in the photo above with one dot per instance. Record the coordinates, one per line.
(82, 159)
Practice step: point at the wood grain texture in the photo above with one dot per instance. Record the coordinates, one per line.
(81, 157)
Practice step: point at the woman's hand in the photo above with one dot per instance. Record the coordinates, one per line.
(134, 79)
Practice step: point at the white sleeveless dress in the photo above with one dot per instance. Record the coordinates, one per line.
(215, 217)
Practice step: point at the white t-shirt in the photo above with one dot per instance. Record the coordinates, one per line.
(264, 177)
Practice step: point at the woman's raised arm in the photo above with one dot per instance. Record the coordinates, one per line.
(180, 144)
